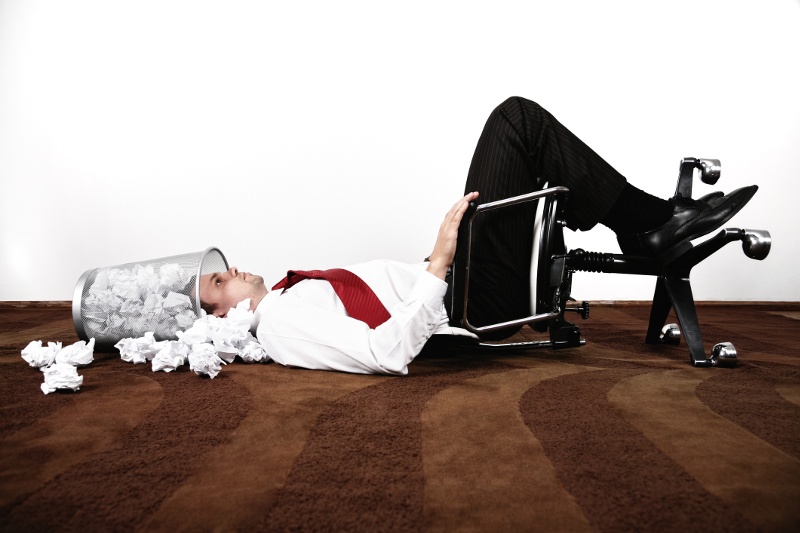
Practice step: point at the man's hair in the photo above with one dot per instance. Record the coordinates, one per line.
(205, 306)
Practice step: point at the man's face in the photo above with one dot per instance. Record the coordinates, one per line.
(221, 291)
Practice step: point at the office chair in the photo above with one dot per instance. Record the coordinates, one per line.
(552, 268)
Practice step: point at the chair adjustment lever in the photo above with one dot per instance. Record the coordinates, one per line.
(582, 310)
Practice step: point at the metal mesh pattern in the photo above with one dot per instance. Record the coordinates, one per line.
(159, 295)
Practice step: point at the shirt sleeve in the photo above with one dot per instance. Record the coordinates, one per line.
(298, 334)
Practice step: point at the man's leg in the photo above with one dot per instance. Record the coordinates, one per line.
(521, 148)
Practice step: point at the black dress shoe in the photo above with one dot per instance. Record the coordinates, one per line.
(711, 196)
(690, 219)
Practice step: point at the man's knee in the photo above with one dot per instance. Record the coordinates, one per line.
(518, 103)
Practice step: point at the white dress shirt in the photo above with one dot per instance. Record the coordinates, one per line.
(307, 325)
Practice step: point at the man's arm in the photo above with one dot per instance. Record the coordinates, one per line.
(445, 248)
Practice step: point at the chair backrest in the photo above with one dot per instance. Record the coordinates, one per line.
(546, 273)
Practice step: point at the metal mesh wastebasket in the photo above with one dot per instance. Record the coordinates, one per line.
(158, 295)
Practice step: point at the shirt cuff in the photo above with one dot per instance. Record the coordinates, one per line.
(429, 288)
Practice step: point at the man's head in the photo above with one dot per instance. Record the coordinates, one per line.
(221, 291)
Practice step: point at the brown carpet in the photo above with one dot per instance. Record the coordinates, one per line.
(614, 436)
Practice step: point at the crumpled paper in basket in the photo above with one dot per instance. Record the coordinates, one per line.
(138, 298)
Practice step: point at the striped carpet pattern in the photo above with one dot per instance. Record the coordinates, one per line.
(614, 436)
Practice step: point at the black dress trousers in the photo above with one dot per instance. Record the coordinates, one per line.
(522, 147)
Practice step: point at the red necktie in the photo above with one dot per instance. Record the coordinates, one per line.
(359, 300)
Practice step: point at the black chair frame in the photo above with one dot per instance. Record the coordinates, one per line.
(552, 279)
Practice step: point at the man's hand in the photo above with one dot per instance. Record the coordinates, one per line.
(445, 248)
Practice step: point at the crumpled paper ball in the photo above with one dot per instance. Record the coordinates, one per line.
(139, 350)
(79, 354)
(38, 356)
(203, 360)
(171, 355)
(252, 351)
(61, 376)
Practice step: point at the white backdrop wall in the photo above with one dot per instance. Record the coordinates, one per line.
(318, 134)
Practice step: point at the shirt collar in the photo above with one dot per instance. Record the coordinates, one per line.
(256, 320)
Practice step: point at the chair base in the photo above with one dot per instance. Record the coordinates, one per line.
(673, 288)
(676, 293)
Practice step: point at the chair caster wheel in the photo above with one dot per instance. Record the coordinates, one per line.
(710, 170)
(670, 334)
(724, 355)
(756, 243)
